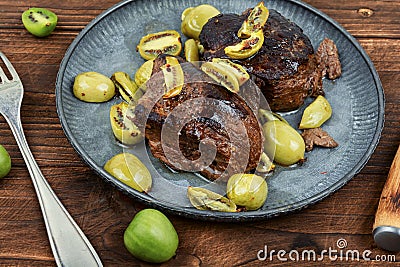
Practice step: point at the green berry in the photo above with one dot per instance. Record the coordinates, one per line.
(39, 21)
(151, 237)
(5, 162)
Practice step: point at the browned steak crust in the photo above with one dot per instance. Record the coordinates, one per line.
(328, 59)
(153, 113)
(284, 68)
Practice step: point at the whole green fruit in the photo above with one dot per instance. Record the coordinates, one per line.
(5, 162)
(93, 87)
(151, 237)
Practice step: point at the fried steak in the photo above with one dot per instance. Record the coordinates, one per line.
(198, 123)
(285, 68)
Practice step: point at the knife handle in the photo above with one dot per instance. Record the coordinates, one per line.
(388, 213)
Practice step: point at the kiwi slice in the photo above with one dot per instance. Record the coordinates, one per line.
(39, 21)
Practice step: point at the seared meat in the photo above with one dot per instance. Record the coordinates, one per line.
(328, 59)
(317, 137)
(205, 128)
(285, 68)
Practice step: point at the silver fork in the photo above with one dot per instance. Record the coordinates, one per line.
(68, 243)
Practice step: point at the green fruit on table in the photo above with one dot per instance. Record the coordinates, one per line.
(39, 21)
(5, 162)
(283, 143)
(151, 237)
(93, 87)
(248, 190)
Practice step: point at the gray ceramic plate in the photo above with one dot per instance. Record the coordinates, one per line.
(108, 44)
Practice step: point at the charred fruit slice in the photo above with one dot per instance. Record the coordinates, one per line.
(5, 162)
(93, 87)
(236, 69)
(204, 199)
(165, 42)
(173, 77)
(122, 126)
(221, 75)
(126, 87)
(143, 74)
(247, 47)
(255, 21)
(130, 170)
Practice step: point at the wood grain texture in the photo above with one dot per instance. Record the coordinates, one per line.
(388, 212)
(103, 213)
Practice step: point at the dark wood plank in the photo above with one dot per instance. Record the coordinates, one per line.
(103, 212)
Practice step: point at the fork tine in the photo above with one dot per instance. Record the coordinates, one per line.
(10, 68)
(3, 77)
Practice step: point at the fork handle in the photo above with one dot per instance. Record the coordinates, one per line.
(68, 243)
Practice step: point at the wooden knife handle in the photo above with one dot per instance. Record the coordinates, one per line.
(388, 213)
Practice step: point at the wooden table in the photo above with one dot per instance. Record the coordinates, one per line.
(103, 213)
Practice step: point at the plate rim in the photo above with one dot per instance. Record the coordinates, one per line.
(222, 216)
